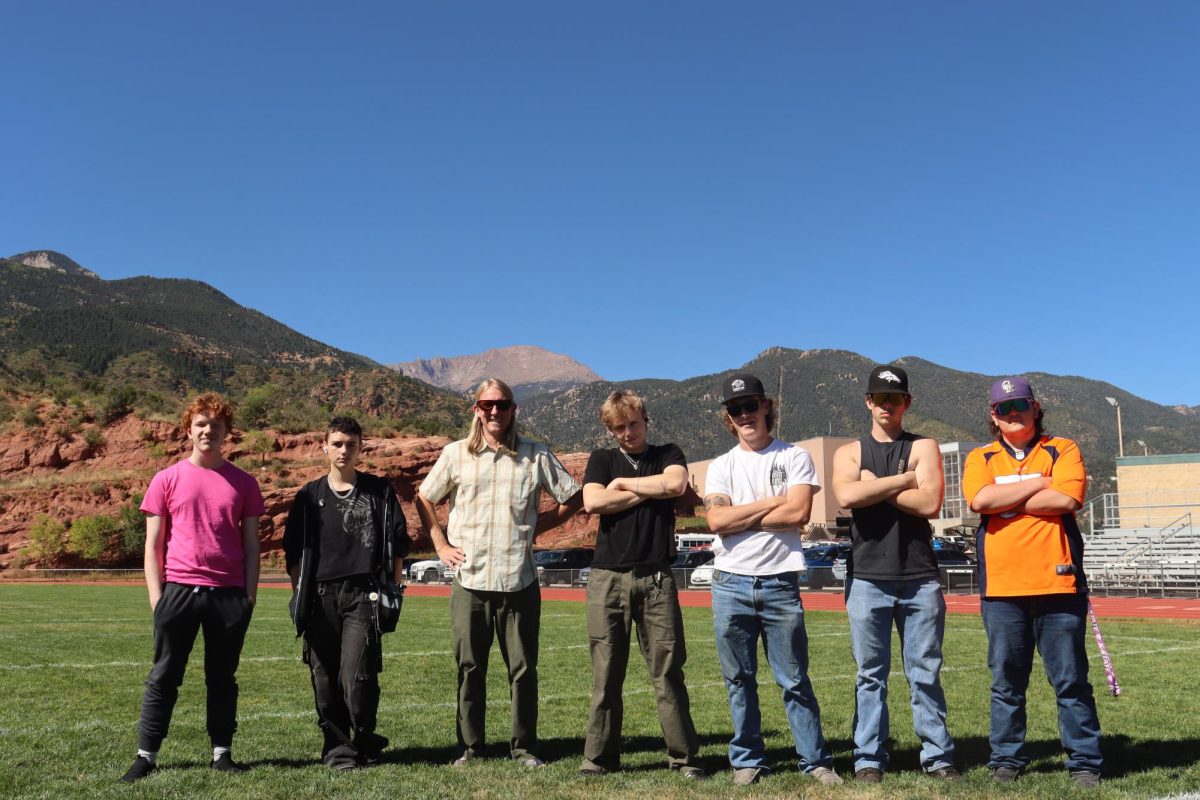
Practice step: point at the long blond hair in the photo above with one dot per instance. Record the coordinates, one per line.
(475, 441)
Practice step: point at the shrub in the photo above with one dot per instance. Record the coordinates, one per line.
(94, 437)
(261, 443)
(131, 527)
(30, 418)
(90, 537)
(46, 538)
(255, 409)
(117, 404)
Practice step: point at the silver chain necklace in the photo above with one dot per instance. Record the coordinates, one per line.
(637, 465)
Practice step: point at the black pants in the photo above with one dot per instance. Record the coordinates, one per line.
(343, 651)
(182, 611)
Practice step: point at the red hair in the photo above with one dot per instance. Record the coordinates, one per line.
(211, 405)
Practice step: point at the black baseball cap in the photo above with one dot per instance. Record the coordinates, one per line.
(743, 384)
(888, 378)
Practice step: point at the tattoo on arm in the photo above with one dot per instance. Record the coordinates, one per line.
(716, 500)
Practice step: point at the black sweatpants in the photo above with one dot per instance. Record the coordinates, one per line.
(182, 611)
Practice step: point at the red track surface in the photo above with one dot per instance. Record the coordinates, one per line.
(1138, 607)
(1145, 607)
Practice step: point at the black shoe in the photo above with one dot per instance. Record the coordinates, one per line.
(225, 763)
(1005, 775)
(140, 769)
(370, 748)
(869, 775)
(946, 773)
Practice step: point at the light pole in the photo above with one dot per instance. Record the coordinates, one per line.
(1112, 401)
(1145, 447)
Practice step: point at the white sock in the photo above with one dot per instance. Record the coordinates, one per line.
(219, 751)
(151, 757)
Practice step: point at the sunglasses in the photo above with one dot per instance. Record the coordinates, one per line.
(488, 405)
(747, 407)
(891, 398)
(1020, 405)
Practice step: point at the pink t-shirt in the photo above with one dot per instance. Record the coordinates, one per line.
(202, 511)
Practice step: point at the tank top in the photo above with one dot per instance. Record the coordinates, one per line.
(887, 543)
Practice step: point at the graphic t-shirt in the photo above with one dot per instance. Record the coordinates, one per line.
(749, 475)
(348, 536)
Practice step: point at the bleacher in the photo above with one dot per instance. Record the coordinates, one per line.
(1155, 560)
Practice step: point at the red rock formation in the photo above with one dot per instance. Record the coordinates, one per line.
(45, 472)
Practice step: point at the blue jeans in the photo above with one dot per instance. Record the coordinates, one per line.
(746, 607)
(918, 610)
(1056, 623)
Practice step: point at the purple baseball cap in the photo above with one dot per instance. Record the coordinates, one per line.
(1010, 389)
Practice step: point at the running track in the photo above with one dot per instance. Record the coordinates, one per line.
(1142, 607)
(1137, 607)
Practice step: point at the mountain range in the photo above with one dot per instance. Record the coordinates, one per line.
(822, 394)
(526, 369)
(142, 343)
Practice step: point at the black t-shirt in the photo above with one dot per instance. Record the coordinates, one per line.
(645, 534)
(348, 540)
(887, 543)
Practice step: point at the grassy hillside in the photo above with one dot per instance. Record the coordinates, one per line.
(823, 395)
(141, 344)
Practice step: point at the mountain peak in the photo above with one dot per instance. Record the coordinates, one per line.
(52, 260)
(528, 369)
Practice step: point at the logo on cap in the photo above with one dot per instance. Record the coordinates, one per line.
(738, 385)
(1007, 387)
(889, 376)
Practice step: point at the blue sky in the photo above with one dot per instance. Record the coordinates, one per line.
(656, 189)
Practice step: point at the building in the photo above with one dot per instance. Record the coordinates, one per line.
(955, 512)
(1155, 492)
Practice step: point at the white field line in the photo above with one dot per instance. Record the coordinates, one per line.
(192, 718)
(1181, 646)
(246, 660)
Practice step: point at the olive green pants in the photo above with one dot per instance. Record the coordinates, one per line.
(616, 601)
(513, 619)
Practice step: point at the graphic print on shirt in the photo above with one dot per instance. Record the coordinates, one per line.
(356, 519)
(778, 479)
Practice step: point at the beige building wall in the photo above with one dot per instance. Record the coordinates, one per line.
(825, 510)
(1155, 491)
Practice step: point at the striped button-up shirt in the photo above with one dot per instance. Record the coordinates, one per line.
(494, 508)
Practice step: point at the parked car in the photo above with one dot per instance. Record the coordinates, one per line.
(820, 561)
(948, 554)
(685, 564)
(702, 576)
(430, 571)
(562, 566)
(952, 555)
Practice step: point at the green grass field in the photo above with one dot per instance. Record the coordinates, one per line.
(73, 658)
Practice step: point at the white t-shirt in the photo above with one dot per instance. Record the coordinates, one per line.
(749, 475)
